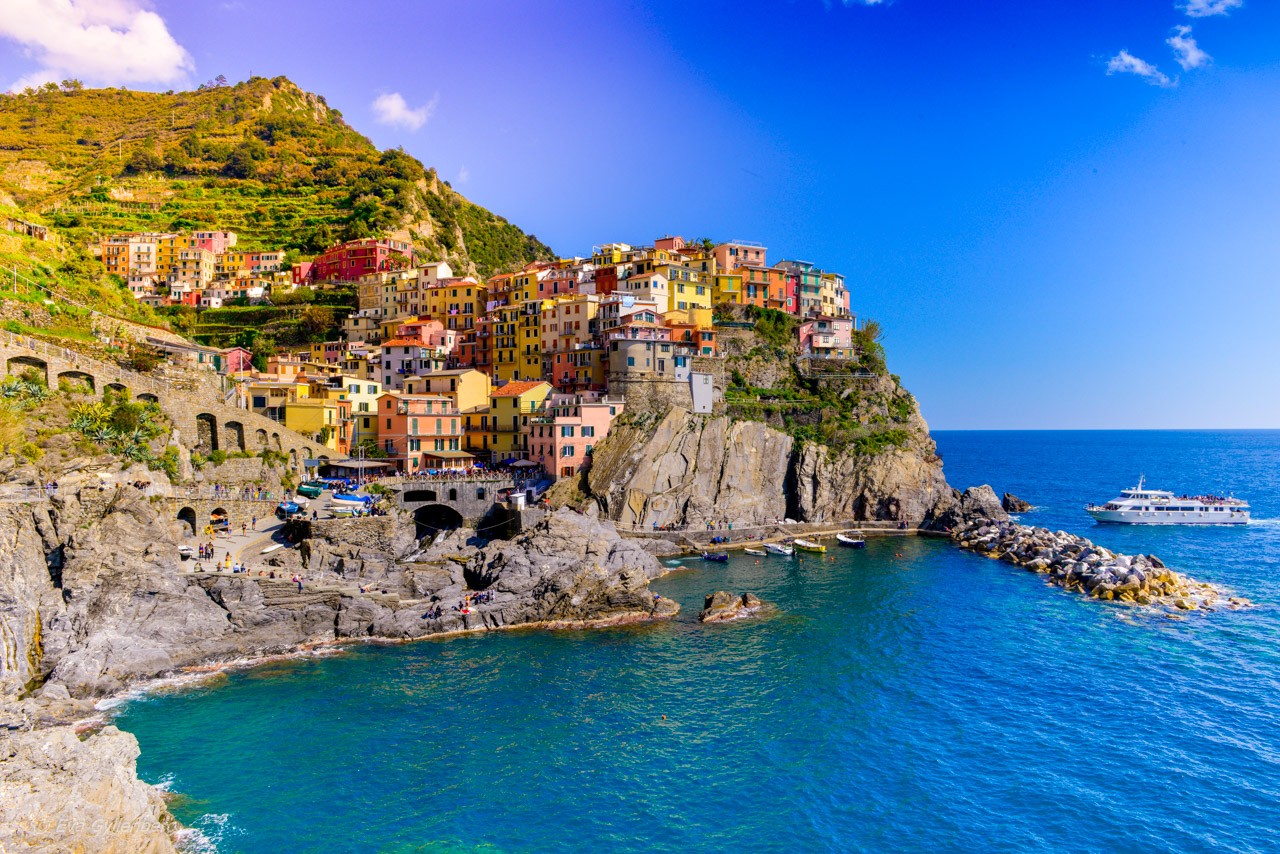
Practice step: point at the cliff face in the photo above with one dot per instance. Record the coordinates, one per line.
(692, 469)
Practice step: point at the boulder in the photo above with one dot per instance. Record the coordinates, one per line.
(1013, 504)
(722, 607)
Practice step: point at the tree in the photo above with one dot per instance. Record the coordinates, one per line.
(316, 320)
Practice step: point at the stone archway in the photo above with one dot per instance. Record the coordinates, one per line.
(275, 440)
(219, 520)
(293, 457)
(21, 364)
(206, 433)
(187, 515)
(233, 436)
(413, 496)
(118, 388)
(78, 377)
(148, 398)
(431, 519)
(261, 436)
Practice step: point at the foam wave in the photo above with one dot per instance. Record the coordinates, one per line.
(206, 835)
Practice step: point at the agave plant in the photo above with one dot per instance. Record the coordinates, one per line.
(102, 435)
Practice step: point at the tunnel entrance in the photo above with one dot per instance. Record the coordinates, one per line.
(434, 518)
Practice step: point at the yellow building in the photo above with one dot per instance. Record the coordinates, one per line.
(510, 408)
(363, 395)
(324, 419)
(726, 288)
(468, 388)
(687, 287)
(167, 248)
(504, 360)
(456, 303)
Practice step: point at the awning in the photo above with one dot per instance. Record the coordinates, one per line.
(359, 465)
(447, 455)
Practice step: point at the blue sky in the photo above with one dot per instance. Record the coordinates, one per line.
(1064, 214)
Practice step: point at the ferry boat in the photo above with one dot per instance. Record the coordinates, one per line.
(1142, 506)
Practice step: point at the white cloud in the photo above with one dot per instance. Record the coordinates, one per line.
(464, 175)
(1185, 49)
(103, 42)
(1126, 63)
(392, 109)
(1209, 8)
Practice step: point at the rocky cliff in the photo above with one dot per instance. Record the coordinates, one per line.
(688, 470)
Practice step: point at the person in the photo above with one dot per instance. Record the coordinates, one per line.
(314, 516)
(244, 528)
(255, 523)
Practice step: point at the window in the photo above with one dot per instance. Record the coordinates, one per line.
(631, 362)
(415, 445)
(388, 423)
(588, 431)
(566, 431)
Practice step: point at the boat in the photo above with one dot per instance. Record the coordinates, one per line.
(718, 557)
(851, 542)
(269, 549)
(780, 549)
(809, 546)
(350, 498)
(756, 552)
(186, 552)
(343, 509)
(1142, 506)
(286, 509)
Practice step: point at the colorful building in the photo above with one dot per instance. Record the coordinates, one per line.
(421, 431)
(565, 428)
(510, 408)
(348, 261)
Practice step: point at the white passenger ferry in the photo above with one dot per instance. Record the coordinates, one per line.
(1140, 506)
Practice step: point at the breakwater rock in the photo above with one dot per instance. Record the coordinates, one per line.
(722, 607)
(1013, 504)
(1077, 564)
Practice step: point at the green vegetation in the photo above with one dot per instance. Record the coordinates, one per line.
(19, 395)
(121, 426)
(262, 158)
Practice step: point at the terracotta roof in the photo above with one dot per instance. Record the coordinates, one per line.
(513, 389)
(403, 342)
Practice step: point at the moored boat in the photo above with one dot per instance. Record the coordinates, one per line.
(809, 546)
(718, 557)
(851, 542)
(755, 552)
(780, 549)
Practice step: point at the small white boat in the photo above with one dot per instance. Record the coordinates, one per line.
(186, 552)
(345, 509)
(269, 549)
(810, 546)
(756, 552)
(851, 542)
(781, 549)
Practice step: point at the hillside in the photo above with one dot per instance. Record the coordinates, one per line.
(262, 158)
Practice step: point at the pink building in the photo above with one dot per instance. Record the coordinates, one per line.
(827, 336)
(669, 243)
(216, 242)
(562, 433)
(731, 256)
(235, 360)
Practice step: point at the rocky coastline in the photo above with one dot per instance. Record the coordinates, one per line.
(1076, 564)
(95, 601)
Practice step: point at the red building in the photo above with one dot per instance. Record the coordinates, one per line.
(606, 280)
(347, 262)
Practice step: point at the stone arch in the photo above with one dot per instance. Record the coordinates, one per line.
(262, 439)
(146, 397)
(453, 494)
(430, 519)
(18, 364)
(206, 433)
(309, 454)
(275, 440)
(119, 388)
(293, 457)
(233, 435)
(187, 515)
(78, 377)
(413, 496)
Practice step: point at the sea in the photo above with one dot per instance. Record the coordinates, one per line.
(905, 697)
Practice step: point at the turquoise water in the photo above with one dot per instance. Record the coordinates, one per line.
(905, 697)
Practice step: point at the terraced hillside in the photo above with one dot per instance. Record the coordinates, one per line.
(262, 158)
